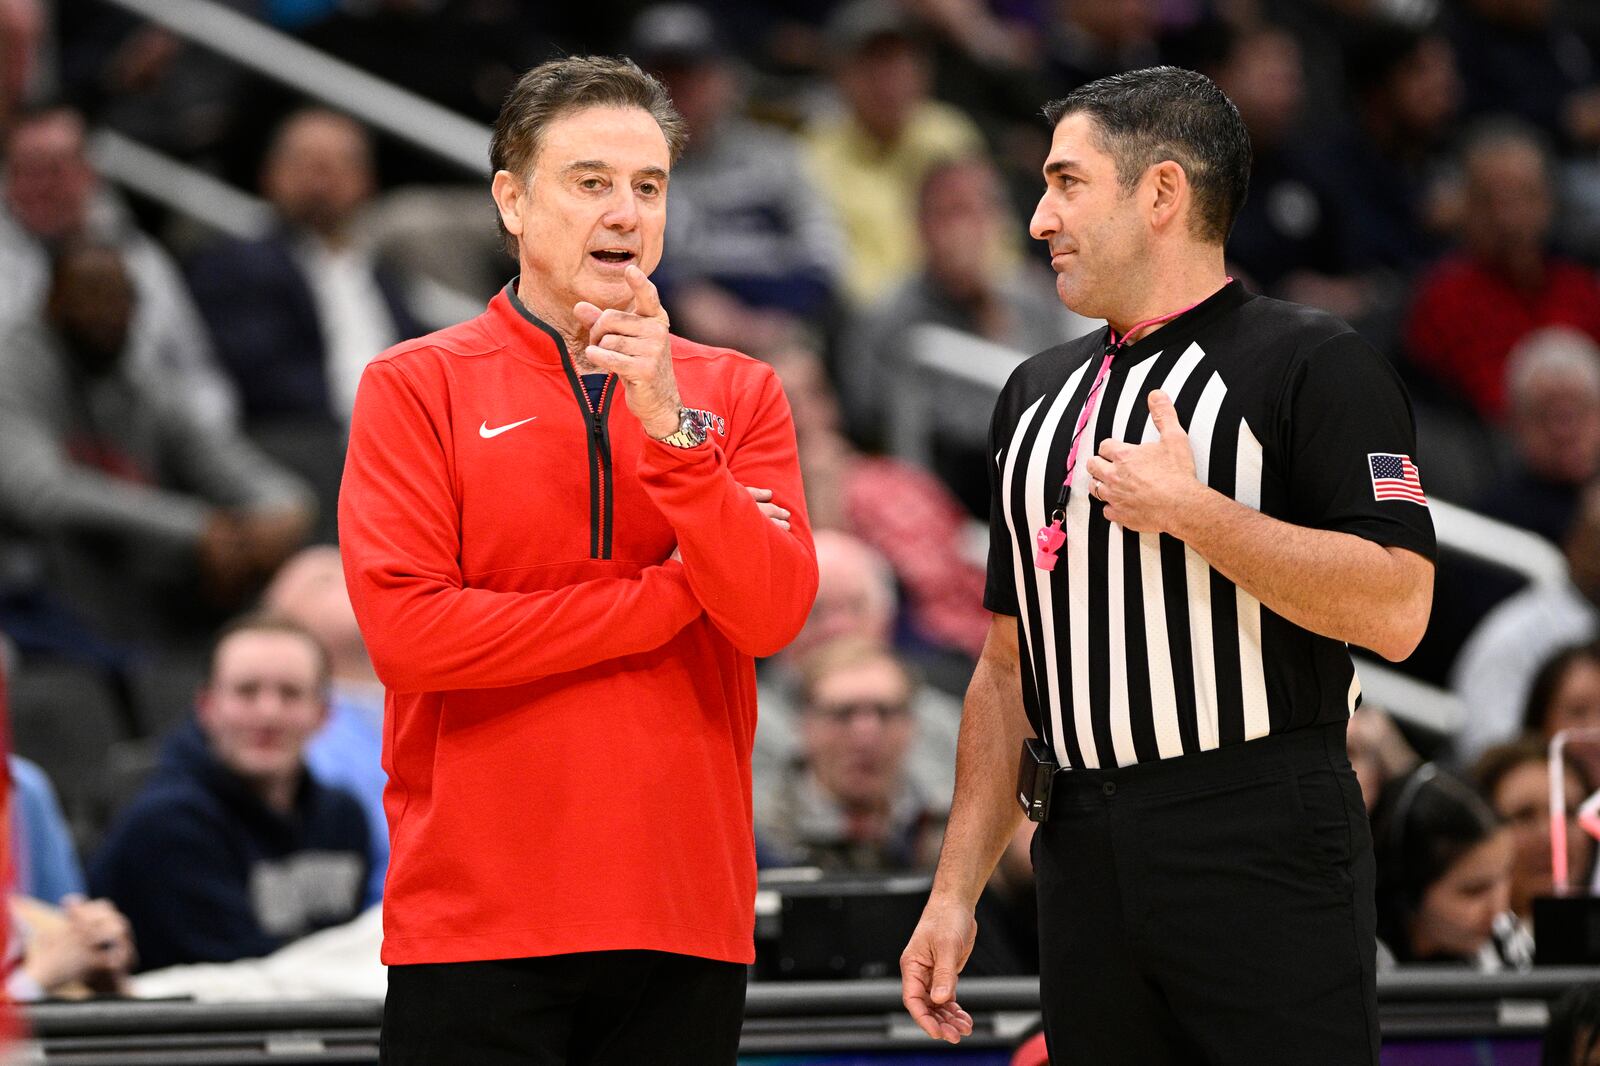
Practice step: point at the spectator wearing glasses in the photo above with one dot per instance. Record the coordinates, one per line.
(846, 803)
(1515, 779)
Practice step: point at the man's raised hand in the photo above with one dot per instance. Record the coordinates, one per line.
(1147, 487)
(635, 345)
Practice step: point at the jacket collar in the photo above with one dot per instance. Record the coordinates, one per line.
(533, 336)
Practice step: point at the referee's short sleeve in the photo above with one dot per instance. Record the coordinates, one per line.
(1000, 590)
(1344, 404)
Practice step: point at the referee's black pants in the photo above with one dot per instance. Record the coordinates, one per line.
(1211, 910)
(600, 1008)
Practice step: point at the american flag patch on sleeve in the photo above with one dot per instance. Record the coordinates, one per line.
(1394, 477)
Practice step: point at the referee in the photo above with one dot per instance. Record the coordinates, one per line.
(1193, 512)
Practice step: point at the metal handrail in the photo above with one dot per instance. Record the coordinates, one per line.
(177, 186)
(983, 364)
(273, 54)
(194, 194)
(765, 1000)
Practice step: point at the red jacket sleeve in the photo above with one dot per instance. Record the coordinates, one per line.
(756, 581)
(400, 537)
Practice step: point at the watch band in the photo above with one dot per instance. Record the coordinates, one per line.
(690, 434)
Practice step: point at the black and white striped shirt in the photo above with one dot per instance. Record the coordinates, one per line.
(1134, 648)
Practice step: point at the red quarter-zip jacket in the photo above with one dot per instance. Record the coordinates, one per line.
(569, 713)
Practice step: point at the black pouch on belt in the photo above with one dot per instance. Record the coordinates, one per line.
(1034, 777)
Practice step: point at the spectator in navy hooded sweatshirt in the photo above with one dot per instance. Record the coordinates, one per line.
(233, 849)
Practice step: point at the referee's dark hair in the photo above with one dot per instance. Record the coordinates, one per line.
(1145, 117)
(561, 86)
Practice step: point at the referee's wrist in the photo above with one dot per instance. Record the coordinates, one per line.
(946, 895)
(1189, 509)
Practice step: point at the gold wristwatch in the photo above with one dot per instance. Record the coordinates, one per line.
(691, 434)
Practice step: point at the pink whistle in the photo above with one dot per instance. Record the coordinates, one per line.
(1049, 540)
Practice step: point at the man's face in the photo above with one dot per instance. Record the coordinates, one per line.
(264, 702)
(1510, 204)
(1458, 910)
(320, 172)
(1425, 90)
(1556, 426)
(310, 589)
(1522, 799)
(1091, 225)
(1265, 79)
(883, 83)
(851, 600)
(1575, 703)
(48, 178)
(702, 90)
(595, 204)
(962, 225)
(856, 732)
(91, 305)
(1117, 23)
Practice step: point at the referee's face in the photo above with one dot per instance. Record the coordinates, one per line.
(1091, 225)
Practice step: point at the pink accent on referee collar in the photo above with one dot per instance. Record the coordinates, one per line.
(1051, 538)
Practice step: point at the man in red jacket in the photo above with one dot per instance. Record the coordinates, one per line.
(564, 602)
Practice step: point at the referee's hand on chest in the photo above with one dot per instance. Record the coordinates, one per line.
(1147, 487)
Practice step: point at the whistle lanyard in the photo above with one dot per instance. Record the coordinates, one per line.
(1052, 537)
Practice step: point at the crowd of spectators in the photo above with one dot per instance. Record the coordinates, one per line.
(174, 390)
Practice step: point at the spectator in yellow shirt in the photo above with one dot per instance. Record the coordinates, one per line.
(870, 159)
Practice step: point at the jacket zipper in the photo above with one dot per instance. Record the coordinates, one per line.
(601, 494)
(602, 439)
(600, 490)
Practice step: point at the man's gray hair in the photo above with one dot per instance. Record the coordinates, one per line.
(1556, 351)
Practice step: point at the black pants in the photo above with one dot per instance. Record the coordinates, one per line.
(1214, 909)
(602, 1008)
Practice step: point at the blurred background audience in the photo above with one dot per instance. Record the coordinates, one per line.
(871, 150)
(852, 207)
(296, 314)
(132, 511)
(233, 849)
(1553, 423)
(846, 803)
(347, 751)
(1444, 876)
(54, 196)
(1494, 673)
(1515, 780)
